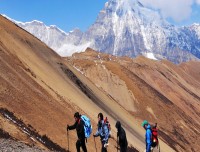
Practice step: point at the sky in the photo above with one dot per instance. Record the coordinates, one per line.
(178, 12)
(70, 14)
(65, 14)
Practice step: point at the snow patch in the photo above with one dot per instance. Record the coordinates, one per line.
(55, 27)
(149, 109)
(104, 67)
(78, 70)
(150, 55)
(69, 49)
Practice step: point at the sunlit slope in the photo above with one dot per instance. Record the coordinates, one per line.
(158, 91)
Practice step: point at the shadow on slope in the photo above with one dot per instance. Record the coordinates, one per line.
(29, 130)
(4, 134)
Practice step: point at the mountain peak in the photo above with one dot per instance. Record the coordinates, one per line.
(122, 7)
(36, 22)
(131, 12)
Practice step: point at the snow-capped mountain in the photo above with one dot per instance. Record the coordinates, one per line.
(125, 28)
(63, 43)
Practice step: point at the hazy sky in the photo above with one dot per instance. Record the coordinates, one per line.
(180, 12)
(69, 14)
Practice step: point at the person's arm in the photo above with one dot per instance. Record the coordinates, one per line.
(72, 127)
(106, 132)
(97, 133)
(148, 136)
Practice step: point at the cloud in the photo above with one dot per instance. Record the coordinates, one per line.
(198, 2)
(178, 10)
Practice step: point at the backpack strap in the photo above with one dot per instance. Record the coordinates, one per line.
(79, 121)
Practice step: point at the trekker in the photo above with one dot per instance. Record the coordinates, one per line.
(154, 131)
(148, 137)
(79, 126)
(121, 134)
(154, 141)
(103, 132)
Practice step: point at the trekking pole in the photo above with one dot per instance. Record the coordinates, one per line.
(68, 139)
(95, 144)
(117, 144)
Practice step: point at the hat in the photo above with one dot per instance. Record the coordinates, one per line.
(145, 122)
(76, 115)
(118, 125)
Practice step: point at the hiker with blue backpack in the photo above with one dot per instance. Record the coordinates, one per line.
(103, 132)
(79, 126)
(148, 135)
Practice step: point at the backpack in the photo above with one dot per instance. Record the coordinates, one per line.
(106, 122)
(154, 133)
(87, 126)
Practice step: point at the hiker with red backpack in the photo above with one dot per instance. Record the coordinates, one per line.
(154, 131)
(79, 126)
(148, 135)
(103, 132)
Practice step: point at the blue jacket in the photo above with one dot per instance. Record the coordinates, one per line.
(148, 135)
(102, 131)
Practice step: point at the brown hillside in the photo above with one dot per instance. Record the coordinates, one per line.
(158, 91)
(192, 69)
(40, 91)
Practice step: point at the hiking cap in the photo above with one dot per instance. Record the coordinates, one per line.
(145, 122)
(77, 115)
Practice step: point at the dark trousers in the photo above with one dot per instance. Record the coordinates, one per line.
(79, 144)
(103, 149)
(123, 148)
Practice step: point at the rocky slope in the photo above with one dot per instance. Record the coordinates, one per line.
(11, 145)
(158, 91)
(7, 143)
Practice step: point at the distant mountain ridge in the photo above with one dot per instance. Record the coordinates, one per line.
(125, 28)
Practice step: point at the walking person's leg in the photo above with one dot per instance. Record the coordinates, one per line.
(123, 149)
(103, 149)
(148, 147)
(83, 145)
(78, 145)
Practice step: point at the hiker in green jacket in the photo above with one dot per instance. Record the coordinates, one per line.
(148, 135)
